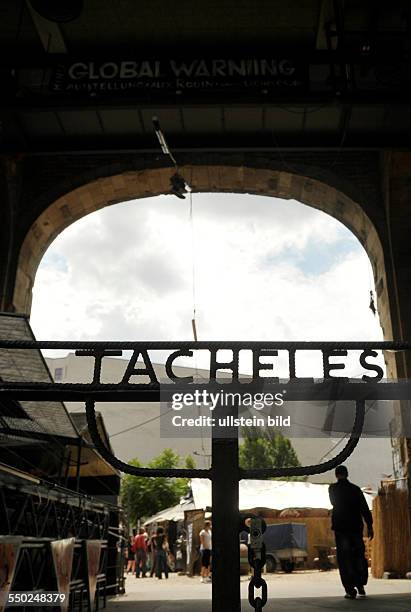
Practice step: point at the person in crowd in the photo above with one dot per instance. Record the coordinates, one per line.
(152, 547)
(140, 549)
(150, 555)
(349, 510)
(205, 551)
(131, 562)
(160, 544)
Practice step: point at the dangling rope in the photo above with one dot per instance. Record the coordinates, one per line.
(193, 269)
(194, 301)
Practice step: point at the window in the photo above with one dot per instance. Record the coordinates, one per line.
(58, 374)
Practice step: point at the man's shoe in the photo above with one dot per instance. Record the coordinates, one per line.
(351, 594)
(361, 592)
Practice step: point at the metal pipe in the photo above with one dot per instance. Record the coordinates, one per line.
(226, 518)
(160, 345)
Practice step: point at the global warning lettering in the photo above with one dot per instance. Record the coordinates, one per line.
(193, 69)
(100, 77)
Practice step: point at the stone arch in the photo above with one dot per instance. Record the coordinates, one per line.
(133, 184)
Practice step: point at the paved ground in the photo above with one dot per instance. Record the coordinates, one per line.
(310, 590)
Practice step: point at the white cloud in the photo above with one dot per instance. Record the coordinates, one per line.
(265, 269)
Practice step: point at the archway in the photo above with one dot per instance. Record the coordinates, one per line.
(248, 267)
(135, 184)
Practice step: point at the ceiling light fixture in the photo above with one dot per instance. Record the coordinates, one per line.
(178, 184)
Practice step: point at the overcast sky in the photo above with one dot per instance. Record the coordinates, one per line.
(264, 269)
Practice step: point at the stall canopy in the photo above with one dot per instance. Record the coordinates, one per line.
(175, 513)
(273, 494)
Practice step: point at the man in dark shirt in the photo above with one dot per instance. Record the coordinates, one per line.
(349, 510)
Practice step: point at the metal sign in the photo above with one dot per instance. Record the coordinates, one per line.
(173, 75)
(259, 351)
(372, 372)
(266, 76)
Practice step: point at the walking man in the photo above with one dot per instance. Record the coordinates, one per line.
(205, 551)
(349, 510)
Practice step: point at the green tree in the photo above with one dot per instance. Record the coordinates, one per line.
(143, 497)
(262, 449)
(190, 464)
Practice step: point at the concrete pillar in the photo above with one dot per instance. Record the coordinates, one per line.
(397, 197)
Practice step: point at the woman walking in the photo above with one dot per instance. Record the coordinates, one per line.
(161, 548)
(131, 563)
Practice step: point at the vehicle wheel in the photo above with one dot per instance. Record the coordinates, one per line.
(270, 564)
(287, 566)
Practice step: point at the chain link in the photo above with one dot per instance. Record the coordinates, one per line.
(257, 581)
(257, 559)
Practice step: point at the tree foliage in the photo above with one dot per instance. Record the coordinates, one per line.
(260, 449)
(143, 497)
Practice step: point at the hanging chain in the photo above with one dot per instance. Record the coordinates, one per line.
(256, 558)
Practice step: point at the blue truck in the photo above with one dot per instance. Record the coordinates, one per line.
(285, 544)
